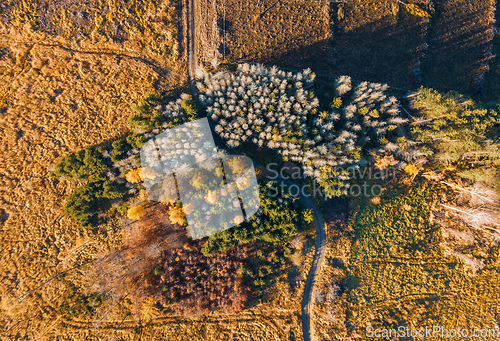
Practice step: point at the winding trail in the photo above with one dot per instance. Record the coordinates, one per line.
(307, 201)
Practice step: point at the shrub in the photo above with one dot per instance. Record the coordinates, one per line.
(120, 149)
(80, 164)
(85, 201)
(135, 140)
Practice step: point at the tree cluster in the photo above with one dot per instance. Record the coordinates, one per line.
(453, 127)
(87, 200)
(277, 109)
(151, 112)
(279, 219)
(156, 262)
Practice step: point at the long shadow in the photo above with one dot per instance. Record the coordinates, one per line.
(460, 44)
(450, 51)
(386, 51)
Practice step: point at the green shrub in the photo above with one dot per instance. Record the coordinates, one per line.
(279, 221)
(120, 149)
(80, 164)
(85, 201)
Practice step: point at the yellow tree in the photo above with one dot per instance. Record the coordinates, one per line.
(176, 215)
(136, 212)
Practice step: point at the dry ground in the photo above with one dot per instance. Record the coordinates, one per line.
(295, 33)
(460, 44)
(379, 41)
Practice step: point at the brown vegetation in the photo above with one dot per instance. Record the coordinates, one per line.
(460, 43)
(291, 32)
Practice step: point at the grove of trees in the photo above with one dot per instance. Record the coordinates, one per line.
(277, 109)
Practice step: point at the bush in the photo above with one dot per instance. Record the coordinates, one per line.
(454, 127)
(80, 164)
(191, 110)
(85, 202)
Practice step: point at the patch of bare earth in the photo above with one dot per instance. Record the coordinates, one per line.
(460, 43)
(289, 33)
(379, 41)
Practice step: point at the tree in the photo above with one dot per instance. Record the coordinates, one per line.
(176, 215)
(453, 127)
(80, 164)
(136, 212)
(120, 149)
(280, 220)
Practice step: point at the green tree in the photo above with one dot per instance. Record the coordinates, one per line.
(454, 127)
(80, 164)
(86, 201)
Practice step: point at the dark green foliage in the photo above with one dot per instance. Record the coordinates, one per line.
(146, 117)
(136, 140)
(138, 121)
(84, 203)
(281, 220)
(80, 164)
(120, 149)
(145, 104)
(454, 127)
(265, 263)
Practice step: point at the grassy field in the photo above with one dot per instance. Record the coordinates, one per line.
(401, 272)
(292, 32)
(379, 41)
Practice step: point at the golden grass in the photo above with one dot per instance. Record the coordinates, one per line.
(64, 85)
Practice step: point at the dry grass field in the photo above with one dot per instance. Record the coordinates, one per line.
(295, 33)
(64, 85)
(460, 45)
(379, 41)
(70, 72)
